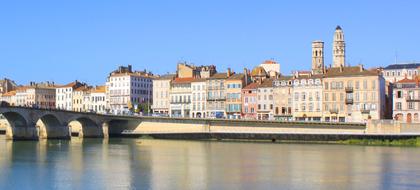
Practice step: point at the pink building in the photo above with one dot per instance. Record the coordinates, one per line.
(249, 101)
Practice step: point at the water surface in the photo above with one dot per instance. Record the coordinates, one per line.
(170, 164)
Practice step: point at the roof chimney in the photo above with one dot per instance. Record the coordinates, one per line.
(246, 76)
(229, 72)
(361, 67)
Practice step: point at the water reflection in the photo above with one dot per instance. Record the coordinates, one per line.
(160, 164)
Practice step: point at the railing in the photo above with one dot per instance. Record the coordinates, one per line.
(349, 100)
(349, 89)
(334, 110)
(216, 98)
(412, 99)
(180, 102)
(365, 111)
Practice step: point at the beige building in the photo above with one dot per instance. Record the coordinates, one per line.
(406, 95)
(161, 90)
(307, 97)
(271, 67)
(80, 98)
(37, 95)
(233, 86)
(7, 85)
(283, 102)
(9, 97)
(265, 100)
(353, 94)
(180, 94)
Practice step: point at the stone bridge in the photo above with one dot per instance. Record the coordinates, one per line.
(31, 123)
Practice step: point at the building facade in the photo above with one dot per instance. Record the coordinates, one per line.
(233, 86)
(199, 99)
(180, 94)
(7, 85)
(406, 94)
(128, 89)
(265, 100)
(283, 102)
(249, 101)
(161, 90)
(353, 94)
(307, 97)
(397, 72)
(64, 95)
(216, 95)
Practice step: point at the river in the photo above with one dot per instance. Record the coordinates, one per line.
(176, 164)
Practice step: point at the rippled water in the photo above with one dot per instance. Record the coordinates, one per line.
(164, 164)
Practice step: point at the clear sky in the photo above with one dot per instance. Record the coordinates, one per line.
(85, 40)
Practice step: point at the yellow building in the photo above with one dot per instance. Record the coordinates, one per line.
(353, 94)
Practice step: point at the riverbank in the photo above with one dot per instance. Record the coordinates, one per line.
(349, 139)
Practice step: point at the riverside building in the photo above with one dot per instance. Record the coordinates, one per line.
(406, 95)
(128, 89)
(161, 90)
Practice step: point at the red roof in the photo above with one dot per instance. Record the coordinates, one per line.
(183, 80)
(251, 86)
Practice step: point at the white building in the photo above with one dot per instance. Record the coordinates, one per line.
(127, 89)
(199, 99)
(396, 72)
(96, 100)
(64, 95)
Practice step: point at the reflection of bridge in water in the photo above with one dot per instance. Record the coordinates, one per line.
(31, 123)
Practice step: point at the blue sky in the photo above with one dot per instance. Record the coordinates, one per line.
(85, 40)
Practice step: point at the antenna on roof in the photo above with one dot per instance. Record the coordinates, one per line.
(396, 57)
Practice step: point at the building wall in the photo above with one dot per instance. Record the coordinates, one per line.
(394, 75)
(64, 98)
(283, 102)
(249, 103)
(354, 99)
(265, 103)
(180, 100)
(161, 99)
(233, 98)
(307, 99)
(406, 106)
(199, 99)
(216, 98)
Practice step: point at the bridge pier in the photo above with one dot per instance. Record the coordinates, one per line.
(22, 132)
(105, 129)
(55, 132)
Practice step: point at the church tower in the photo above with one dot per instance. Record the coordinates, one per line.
(318, 57)
(339, 48)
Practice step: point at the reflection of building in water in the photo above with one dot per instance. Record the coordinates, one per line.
(176, 164)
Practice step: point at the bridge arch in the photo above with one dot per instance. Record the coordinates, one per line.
(85, 127)
(19, 127)
(49, 126)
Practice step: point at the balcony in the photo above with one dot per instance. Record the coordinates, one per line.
(365, 111)
(333, 111)
(412, 99)
(349, 100)
(220, 98)
(180, 102)
(349, 89)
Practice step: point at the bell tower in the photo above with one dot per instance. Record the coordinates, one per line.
(339, 48)
(318, 57)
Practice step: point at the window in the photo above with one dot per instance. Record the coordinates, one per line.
(410, 105)
(326, 85)
(357, 85)
(399, 94)
(398, 105)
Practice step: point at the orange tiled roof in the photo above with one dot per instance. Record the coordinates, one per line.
(11, 93)
(99, 89)
(269, 62)
(253, 85)
(183, 80)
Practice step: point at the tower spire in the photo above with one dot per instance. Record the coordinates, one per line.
(339, 48)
